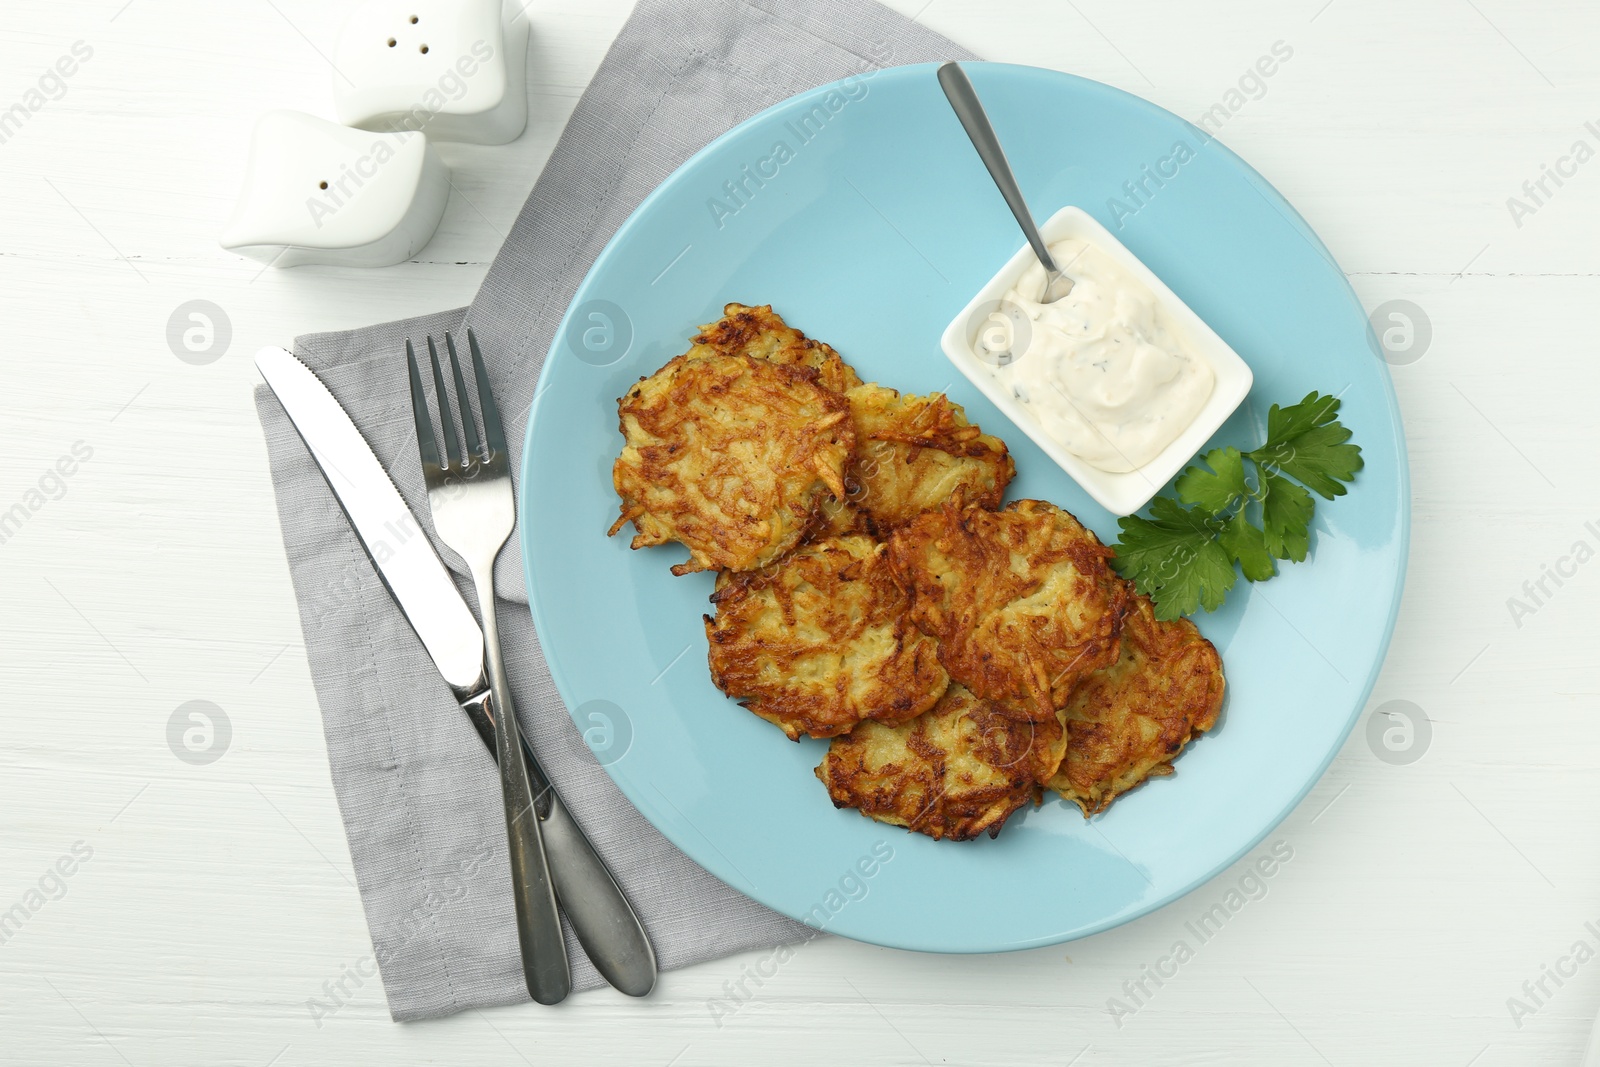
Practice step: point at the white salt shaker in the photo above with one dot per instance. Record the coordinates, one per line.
(318, 192)
(453, 69)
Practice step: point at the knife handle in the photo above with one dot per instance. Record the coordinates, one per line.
(605, 923)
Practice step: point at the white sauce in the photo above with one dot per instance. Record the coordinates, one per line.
(1105, 371)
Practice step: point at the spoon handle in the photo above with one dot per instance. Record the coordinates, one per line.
(964, 100)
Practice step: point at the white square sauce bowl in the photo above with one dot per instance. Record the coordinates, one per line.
(1119, 493)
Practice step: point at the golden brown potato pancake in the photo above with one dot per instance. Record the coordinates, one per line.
(731, 456)
(1129, 721)
(1022, 601)
(819, 640)
(838, 517)
(915, 452)
(954, 772)
(761, 332)
(912, 452)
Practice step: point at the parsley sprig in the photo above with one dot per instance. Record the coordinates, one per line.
(1243, 510)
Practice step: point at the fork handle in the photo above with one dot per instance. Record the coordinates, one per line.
(544, 947)
(605, 923)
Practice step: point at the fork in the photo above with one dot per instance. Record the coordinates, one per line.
(473, 513)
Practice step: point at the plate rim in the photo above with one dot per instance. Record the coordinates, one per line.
(1274, 199)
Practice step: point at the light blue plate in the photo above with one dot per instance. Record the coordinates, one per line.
(870, 228)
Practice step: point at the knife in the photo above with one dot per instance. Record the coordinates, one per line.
(601, 917)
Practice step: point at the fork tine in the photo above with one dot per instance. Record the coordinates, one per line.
(493, 432)
(447, 425)
(469, 425)
(426, 445)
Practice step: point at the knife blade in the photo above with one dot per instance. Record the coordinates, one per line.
(601, 917)
(403, 557)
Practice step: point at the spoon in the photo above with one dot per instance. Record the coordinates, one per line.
(964, 100)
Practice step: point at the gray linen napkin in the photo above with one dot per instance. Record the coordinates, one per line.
(416, 787)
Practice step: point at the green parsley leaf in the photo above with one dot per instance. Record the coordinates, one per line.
(1246, 545)
(1306, 442)
(1286, 516)
(1216, 489)
(1185, 557)
(1173, 557)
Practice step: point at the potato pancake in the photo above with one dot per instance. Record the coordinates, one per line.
(730, 456)
(838, 517)
(1022, 601)
(915, 452)
(1129, 721)
(954, 772)
(820, 640)
(762, 333)
(912, 452)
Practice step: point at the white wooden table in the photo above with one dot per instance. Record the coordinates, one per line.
(216, 900)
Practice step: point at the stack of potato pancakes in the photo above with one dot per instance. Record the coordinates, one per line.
(870, 588)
